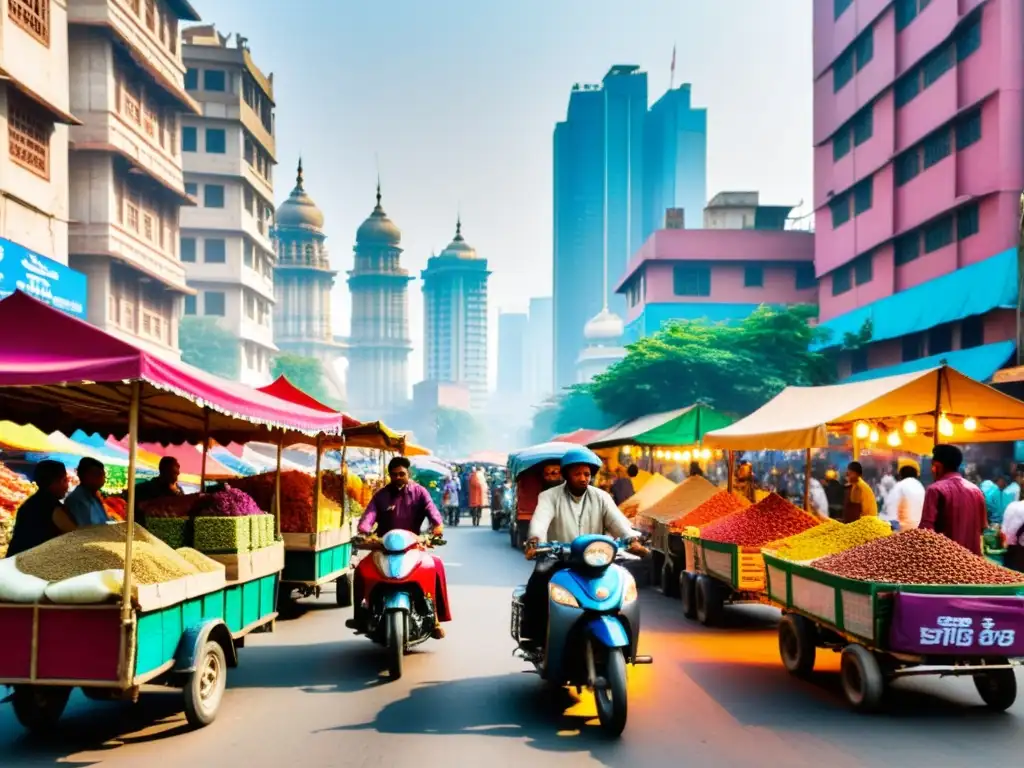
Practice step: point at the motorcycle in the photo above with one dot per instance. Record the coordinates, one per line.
(593, 625)
(399, 586)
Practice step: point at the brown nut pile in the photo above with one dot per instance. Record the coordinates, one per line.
(916, 556)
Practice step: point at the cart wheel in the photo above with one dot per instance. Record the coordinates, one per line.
(495, 521)
(688, 594)
(710, 604)
(797, 645)
(862, 678)
(669, 580)
(205, 686)
(343, 594)
(38, 707)
(998, 688)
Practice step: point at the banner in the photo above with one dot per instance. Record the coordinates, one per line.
(954, 625)
(23, 270)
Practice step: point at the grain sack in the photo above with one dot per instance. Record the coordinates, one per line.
(18, 587)
(89, 588)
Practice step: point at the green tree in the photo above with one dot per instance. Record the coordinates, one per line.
(209, 347)
(735, 367)
(458, 432)
(306, 373)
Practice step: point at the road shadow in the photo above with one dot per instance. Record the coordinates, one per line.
(517, 706)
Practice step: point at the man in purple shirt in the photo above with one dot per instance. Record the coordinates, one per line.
(404, 505)
(952, 506)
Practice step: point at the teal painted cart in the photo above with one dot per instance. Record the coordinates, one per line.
(183, 634)
(312, 560)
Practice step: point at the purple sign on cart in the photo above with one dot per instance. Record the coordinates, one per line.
(954, 625)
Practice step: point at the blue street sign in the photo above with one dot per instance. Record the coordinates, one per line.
(23, 270)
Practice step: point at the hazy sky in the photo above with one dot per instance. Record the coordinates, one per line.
(457, 100)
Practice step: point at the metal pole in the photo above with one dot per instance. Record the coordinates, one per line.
(344, 482)
(732, 469)
(277, 484)
(133, 449)
(317, 483)
(807, 482)
(206, 449)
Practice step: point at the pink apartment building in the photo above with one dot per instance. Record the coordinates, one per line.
(919, 167)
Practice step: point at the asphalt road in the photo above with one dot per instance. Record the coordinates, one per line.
(313, 695)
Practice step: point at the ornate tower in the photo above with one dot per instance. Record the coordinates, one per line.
(379, 343)
(303, 279)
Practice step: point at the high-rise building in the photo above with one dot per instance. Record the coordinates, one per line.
(455, 318)
(513, 331)
(379, 343)
(126, 185)
(228, 155)
(540, 382)
(303, 279)
(919, 166)
(675, 160)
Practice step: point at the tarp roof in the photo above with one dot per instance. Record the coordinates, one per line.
(802, 417)
(282, 388)
(683, 426)
(57, 370)
(579, 436)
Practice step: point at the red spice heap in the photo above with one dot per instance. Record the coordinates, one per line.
(771, 518)
(721, 504)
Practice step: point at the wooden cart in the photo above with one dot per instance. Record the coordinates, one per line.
(312, 560)
(718, 575)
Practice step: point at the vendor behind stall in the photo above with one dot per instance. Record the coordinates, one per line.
(84, 504)
(860, 499)
(163, 485)
(952, 506)
(42, 516)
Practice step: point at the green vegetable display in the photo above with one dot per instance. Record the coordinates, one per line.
(223, 535)
(170, 530)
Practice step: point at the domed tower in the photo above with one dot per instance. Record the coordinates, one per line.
(303, 279)
(455, 318)
(603, 333)
(379, 343)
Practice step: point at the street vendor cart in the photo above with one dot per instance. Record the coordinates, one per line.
(525, 467)
(59, 371)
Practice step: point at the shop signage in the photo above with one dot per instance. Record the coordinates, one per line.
(952, 625)
(23, 270)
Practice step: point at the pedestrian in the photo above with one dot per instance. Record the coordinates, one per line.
(905, 502)
(622, 488)
(860, 499)
(1013, 527)
(952, 506)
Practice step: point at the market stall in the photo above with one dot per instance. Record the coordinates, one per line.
(69, 617)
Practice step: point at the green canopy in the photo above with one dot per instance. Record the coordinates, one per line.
(684, 426)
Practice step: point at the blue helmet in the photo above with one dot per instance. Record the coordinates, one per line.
(580, 455)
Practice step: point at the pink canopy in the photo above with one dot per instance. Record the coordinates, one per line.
(57, 371)
(190, 459)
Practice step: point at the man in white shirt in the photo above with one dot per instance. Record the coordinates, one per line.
(905, 503)
(574, 508)
(1012, 528)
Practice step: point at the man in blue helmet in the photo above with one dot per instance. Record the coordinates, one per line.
(569, 510)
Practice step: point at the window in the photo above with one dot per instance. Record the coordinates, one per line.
(859, 360)
(691, 281)
(191, 79)
(190, 305)
(840, 209)
(841, 144)
(33, 16)
(906, 10)
(753, 277)
(968, 39)
(213, 303)
(862, 195)
(191, 188)
(28, 134)
(247, 251)
(968, 129)
(214, 251)
(215, 80)
(189, 140)
(967, 221)
(936, 65)
(911, 347)
(864, 125)
(805, 277)
(864, 269)
(972, 332)
(188, 250)
(937, 147)
(213, 196)
(216, 141)
(841, 281)
(906, 248)
(907, 88)
(940, 339)
(907, 166)
(842, 71)
(864, 48)
(938, 234)
(839, 7)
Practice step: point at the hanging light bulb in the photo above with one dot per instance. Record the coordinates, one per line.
(862, 430)
(945, 426)
(718, 454)
(910, 427)
(873, 436)
(705, 454)
(678, 455)
(970, 423)
(894, 439)
(628, 450)
(686, 455)
(659, 454)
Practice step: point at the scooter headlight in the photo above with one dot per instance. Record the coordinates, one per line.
(562, 596)
(599, 554)
(629, 593)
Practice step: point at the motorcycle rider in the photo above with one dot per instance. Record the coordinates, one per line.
(403, 505)
(571, 509)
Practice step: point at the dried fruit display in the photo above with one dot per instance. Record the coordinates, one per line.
(296, 500)
(116, 507)
(829, 538)
(771, 519)
(718, 506)
(916, 556)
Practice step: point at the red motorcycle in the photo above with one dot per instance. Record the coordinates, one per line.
(401, 588)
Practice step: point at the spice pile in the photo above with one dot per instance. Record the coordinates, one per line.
(829, 538)
(770, 519)
(296, 500)
(718, 506)
(682, 499)
(199, 561)
(916, 556)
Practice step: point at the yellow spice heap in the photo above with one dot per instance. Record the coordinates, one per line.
(101, 548)
(829, 538)
(200, 561)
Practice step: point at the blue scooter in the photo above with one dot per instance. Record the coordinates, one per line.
(593, 625)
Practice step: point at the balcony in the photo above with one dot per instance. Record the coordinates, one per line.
(255, 126)
(250, 330)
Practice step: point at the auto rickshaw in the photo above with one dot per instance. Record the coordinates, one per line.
(525, 467)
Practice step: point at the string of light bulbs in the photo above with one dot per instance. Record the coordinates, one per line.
(868, 432)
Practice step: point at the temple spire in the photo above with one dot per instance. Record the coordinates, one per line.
(298, 175)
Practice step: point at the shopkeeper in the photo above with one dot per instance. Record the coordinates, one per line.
(953, 506)
(42, 516)
(860, 499)
(84, 504)
(163, 485)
